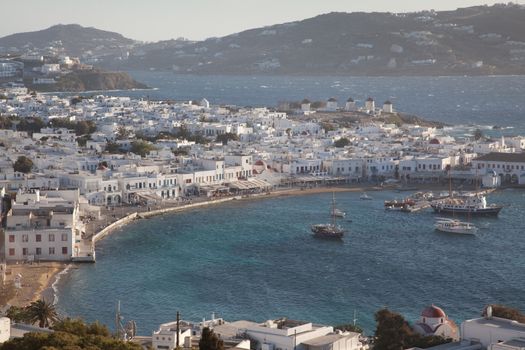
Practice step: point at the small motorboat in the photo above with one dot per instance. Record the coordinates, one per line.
(365, 197)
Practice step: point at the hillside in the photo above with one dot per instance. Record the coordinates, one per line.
(72, 39)
(480, 40)
(477, 40)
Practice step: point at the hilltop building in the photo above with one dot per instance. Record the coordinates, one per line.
(350, 105)
(370, 105)
(388, 107)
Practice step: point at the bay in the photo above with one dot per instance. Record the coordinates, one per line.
(257, 260)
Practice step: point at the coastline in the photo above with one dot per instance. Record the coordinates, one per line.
(40, 280)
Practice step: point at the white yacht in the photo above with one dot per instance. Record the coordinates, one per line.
(455, 226)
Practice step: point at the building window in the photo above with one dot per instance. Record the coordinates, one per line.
(51, 237)
(38, 251)
(11, 238)
(38, 238)
(25, 238)
(11, 251)
(64, 250)
(64, 237)
(51, 250)
(24, 251)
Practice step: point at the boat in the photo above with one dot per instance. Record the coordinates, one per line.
(327, 231)
(471, 204)
(337, 212)
(455, 226)
(403, 205)
(364, 196)
(331, 230)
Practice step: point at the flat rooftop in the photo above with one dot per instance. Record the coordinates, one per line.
(497, 322)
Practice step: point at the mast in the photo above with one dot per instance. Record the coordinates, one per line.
(333, 208)
(178, 329)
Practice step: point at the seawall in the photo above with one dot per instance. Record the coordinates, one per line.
(143, 215)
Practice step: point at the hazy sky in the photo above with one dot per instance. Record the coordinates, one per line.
(152, 20)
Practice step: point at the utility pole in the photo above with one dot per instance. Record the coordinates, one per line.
(178, 329)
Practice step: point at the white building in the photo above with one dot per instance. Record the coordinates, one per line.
(388, 107)
(350, 105)
(510, 167)
(165, 338)
(331, 104)
(305, 105)
(494, 333)
(43, 227)
(370, 105)
(5, 329)
(284, 334)
(50, 68)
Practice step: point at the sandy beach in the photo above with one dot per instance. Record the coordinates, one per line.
(36, 278)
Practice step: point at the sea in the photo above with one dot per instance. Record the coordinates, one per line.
(256, 259)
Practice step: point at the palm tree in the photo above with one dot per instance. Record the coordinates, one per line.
(42, 312)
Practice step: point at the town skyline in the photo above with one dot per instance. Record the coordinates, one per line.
(164, 20)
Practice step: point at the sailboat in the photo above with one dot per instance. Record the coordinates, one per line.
(331, 230)
(474, 204)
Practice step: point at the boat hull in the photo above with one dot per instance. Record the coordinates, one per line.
(327, 232)
(492, 211)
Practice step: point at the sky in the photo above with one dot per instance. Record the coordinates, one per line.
(153, 20)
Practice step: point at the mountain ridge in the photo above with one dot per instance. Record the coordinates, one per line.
(478, 40)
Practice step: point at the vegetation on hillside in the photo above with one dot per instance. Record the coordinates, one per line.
(394, 333)
(70, 334)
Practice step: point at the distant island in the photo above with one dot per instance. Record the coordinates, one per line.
(93, 80)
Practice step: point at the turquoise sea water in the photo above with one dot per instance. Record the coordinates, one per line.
(257, 260)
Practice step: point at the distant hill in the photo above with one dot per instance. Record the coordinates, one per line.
(72, 38)
(478, 40)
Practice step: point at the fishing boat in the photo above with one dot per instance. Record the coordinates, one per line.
(365, 197)
(455, 226)
(331, 230)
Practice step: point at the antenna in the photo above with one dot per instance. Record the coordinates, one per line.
(118, 325)
(355, 317)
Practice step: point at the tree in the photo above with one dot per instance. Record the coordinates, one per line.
(71, 335)
(342, 142)
(210, 341)
(141, 147)
(23, 165)
(17, 314)
(42, 312)
(123, 133)
(506, 312)
(394, 333)
(112, 147)
(229, 136)
(478, 134)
